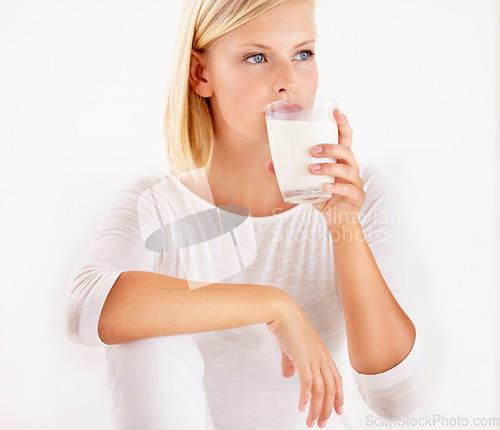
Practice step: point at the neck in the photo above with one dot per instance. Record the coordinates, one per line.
(237, 175)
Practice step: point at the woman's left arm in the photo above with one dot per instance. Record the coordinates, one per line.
(379, 333)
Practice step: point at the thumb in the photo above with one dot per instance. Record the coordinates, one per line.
(287, 366)
(270, 167)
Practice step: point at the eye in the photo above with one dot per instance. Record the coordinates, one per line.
(304, 55)
(257, 58)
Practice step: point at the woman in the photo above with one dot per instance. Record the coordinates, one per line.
(198, 356)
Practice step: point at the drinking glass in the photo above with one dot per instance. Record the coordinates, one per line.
(293, 127)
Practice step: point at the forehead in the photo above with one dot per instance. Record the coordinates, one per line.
(288, 23)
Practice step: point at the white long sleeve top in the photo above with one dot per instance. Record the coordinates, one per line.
(154, 224)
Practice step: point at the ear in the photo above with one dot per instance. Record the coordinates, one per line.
(197, 75)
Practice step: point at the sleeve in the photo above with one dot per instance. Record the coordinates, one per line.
(117, 247)
(396, 392)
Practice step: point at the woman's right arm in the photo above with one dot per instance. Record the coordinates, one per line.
(145, 304)
(115, 296)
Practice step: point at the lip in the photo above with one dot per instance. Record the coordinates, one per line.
(284, 108)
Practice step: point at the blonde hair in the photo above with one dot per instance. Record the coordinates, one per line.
(188, 121)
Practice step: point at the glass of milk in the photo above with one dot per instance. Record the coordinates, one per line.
(293, 127)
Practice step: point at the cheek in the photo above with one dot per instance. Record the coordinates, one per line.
(309, 81)
(243, 88)
(239, 98)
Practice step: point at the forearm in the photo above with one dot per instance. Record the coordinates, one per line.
(379, 334)
(145, 304)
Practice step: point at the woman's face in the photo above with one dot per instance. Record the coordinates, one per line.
(267, 59)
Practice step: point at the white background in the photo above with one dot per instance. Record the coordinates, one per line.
(82, 96)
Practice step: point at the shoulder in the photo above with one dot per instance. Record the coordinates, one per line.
(378, 191)
(140, 185)
(373, 178)
(127, 197)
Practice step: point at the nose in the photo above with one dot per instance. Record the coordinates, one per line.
(286, 81)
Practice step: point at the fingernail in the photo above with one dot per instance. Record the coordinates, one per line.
(341, 409)
(321, 424)
(315, 166)
(317, 149)
(312, 424)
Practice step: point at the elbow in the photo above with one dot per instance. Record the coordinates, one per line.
(74, 307)
(104, 334)
(84, 321)
(74, 326)
(397, 396)
(72, 321)
(105, 330)
(405, 402)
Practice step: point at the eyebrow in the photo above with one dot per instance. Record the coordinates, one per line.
(268, 47)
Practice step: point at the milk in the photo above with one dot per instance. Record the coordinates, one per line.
(290, 143)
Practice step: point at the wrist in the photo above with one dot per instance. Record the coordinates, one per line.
(347, 233)
(281, 308)
(351, 225)
(339, 220)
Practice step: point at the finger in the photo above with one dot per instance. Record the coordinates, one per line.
(340, 171)
(355, 195)
(330, 391)
(287, 366)
(306, 381)
(318, 392)
(338, 152)
(339, 395)
(270, 167)
(345, 130)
